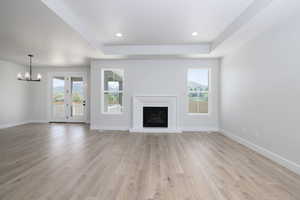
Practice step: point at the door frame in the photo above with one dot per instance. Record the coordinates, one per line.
(50, 105)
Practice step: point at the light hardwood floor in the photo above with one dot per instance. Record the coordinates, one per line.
(70, 162)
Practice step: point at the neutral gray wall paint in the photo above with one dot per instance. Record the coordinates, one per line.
(14, 95)
(153, 77)
(260, 91)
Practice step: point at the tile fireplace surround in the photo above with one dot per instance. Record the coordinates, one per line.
(141, 101)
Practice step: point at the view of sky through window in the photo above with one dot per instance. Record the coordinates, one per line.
(199, 76)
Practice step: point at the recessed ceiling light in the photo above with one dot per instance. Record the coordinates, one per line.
(119, 34)
(194, 33)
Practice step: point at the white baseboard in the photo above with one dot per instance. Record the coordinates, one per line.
(3, 126)
(37, 121)
(25, 122)
(265, 152)
(154, 130)
(201, 129)
(107, 128)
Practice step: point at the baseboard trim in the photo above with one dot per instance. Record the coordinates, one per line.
(265, 152)
(25, 122)
(22, 123)
(12, 125)
(154, 130)
(37, 121)
(201, 129)
(107, 128)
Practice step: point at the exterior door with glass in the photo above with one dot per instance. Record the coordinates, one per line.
(68, 97)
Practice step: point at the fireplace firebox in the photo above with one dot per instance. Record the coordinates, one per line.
(155, 117)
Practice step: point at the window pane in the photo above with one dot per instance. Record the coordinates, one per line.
(113, 80)
(113, 102)
(198, 80)
(198, 88)
(58, 97)
(198, 102)
(77, 96)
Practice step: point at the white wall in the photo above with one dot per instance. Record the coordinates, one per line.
(14, 95)
(153, 77)
(260, 94)
(40, 92)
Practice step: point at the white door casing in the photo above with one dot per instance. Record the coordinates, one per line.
(68, 106)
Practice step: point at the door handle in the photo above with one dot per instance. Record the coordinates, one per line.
(83, 102)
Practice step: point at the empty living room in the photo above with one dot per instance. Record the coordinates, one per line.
(149, 100)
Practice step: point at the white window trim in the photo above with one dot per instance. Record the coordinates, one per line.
(209, 92)
(103, 91)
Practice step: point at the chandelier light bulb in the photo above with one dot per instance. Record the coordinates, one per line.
(27, 75)
(194, 33)
(19, 76)
(39, 76)
(119, 35)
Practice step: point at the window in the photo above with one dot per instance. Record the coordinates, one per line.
(58, 97)
(112, 91)
(198, 90)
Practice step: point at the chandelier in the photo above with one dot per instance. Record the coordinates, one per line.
(28, 75)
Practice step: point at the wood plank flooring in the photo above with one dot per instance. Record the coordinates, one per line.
(70, 162)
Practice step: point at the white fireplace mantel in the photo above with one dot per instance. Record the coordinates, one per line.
(140, 101)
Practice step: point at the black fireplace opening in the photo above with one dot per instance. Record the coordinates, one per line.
(155, 117)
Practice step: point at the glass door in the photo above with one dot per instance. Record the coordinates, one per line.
(78, 102)
(58, 98)
(68, 98)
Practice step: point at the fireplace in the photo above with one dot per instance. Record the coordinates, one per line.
(165, 122)
(155, 117)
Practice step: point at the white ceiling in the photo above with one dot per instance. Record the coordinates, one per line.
(29, 26)
(70, 33)
(156, 21)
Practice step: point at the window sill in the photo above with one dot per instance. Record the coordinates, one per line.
(115, 113)
(198, 114)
